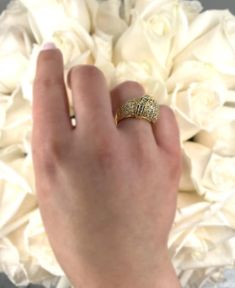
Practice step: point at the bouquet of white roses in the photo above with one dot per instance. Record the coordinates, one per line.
(183, 57)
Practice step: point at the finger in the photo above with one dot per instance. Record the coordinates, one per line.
(91, 99)
(166, 131)
(50, 102)
(119, 95)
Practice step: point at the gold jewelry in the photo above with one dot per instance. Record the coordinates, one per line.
(145, 107)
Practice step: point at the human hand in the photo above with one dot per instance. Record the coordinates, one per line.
(107, 194)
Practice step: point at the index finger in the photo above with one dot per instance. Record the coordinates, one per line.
(50, 101)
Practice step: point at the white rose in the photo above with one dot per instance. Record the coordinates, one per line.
(155, 25)
(222, 138)
(202, 23)
(75, 44)
(228, 210)
(5, 103)
(199, 72)
(198, 106)
(105, 12)
(16, 41)
(11, 264)
(17, 180)
(103, 53)
(212, 174)
(16, 119)
(200, 229)
(25, 267)
(212, 41)
(15, 14)
(18, 155)
(47, 17)
(219, 176)
(186, 183)
(126, 10)
(15, 49)
(141, 73)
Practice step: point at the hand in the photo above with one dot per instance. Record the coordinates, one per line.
(107, 194)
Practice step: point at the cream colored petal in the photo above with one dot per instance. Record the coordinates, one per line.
(199, 106)
(14, 15)
(35, 273)
(5, 103)
(39, 246)
(12, 198)
(19, 112)
(11, 162)
(59, 15)
(12, 70)
(204, 258)
(222, 138)
(204, 22)
(141, 73)
(126, 10)
(11, 264)
(202, 48)
(199, 72)
(219, 177)
(103, 54)
(199, 156)
(152, 48)
(109, 12)
(186, 183)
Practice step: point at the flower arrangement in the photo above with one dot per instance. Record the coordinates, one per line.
(185, 58)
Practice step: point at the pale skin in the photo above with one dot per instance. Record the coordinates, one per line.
(107, 194)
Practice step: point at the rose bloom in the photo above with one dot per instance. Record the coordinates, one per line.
(48, 16)
(202, 240)
(211, 174)
(198, 106)
(153, 27)
(16, 44)
(213, 28)
(222, 138)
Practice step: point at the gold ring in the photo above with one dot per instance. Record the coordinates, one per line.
(145, 107)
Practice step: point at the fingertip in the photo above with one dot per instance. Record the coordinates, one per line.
(48, 46)
(50, 106)
(49, 55)
(48, 50)
(49, 61)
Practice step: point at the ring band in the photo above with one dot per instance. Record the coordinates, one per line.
(145, 107)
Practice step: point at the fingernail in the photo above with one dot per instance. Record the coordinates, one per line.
(49, 46)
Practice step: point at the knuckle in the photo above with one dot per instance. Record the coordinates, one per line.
(89, 71)
(132, 85)
(48, 82)
(53, 149)
(106, 151)
(168, 110)
(49, 154)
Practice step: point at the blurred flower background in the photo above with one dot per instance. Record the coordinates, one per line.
(185, 58)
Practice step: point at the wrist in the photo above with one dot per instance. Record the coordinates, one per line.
(166, 275)
(162, 276)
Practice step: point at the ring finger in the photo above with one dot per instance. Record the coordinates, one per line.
(137, 127)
